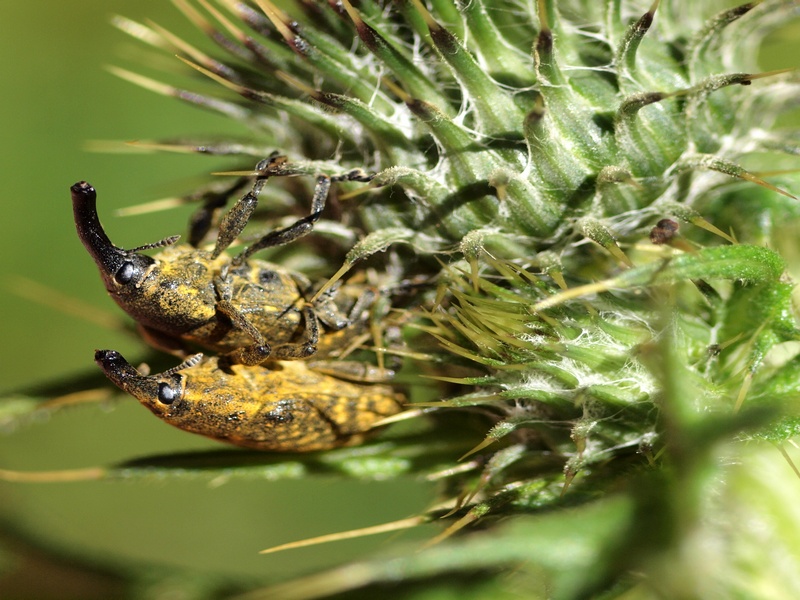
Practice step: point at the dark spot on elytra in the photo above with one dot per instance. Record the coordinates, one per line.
(282, 413)
(267, 276)
(235, 417)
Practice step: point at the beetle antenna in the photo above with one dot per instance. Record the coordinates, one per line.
(189, 362)
(159, 244)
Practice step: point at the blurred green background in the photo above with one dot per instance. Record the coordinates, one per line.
(57, 96)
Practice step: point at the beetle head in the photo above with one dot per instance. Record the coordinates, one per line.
(123, 271)
(160, 393)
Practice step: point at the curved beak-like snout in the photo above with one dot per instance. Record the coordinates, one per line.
(106, 255)
(142, 387)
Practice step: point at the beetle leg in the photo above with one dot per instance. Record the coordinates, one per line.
(162, 341)
(235, 220)
(354, 175)
(327, 311)
(251, 355)
(303, 226)
(305, 348)
(362, 304)
(260, 349)
(351, 370)
(330, 314)
(212, 199)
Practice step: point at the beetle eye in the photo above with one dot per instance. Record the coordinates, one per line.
(166, 393)
(126, 273)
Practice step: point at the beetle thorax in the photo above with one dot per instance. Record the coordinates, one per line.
(176, 294)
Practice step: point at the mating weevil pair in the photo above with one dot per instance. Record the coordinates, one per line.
(254, 313)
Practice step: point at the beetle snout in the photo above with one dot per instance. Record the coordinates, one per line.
(116, 368)
(83, 187)
(108, 257)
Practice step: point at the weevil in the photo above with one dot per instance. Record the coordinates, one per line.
(249, 310)
(286, 407)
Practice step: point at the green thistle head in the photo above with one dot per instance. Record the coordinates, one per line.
(549, 122)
